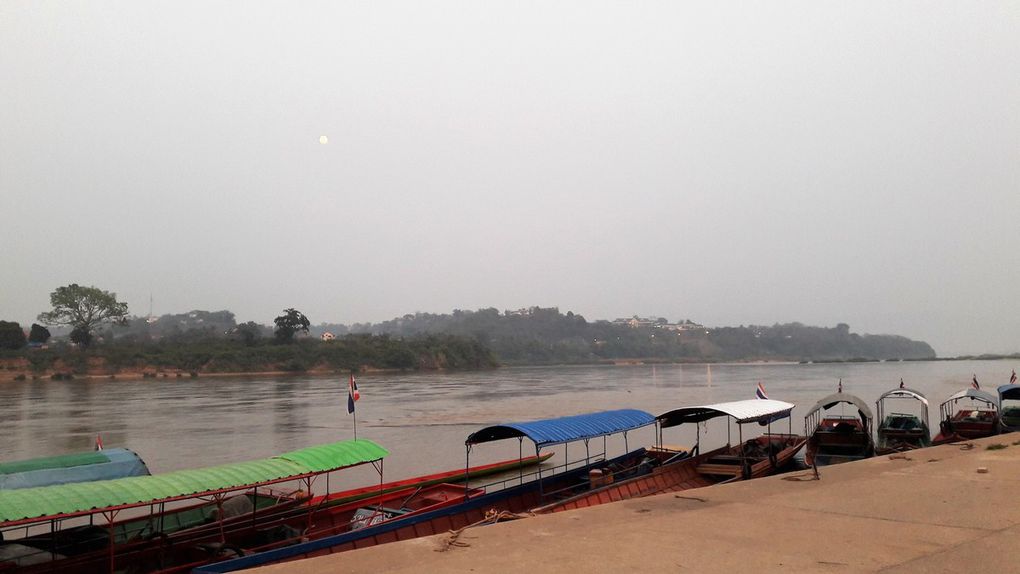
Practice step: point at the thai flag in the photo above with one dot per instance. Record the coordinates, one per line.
(1012, 379)
(975, 383)
(760, 393)
(352, 394)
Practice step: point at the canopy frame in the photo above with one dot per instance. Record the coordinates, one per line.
(899, 394)
(814, 417)
(559, 430)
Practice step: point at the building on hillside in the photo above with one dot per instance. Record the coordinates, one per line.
(327, 336)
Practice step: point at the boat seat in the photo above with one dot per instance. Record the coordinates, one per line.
(719, 469)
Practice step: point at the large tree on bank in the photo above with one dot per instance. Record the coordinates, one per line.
(84, 309)
(288, 324)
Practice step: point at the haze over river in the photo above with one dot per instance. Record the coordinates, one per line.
(421, 418)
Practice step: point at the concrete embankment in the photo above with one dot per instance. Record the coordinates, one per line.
(943, 509)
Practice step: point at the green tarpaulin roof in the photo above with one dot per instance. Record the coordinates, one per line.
(18, 505)
(59, 461)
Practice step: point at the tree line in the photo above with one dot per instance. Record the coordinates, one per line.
(213, 340)
(101, 335)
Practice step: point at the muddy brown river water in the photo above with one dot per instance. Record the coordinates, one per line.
(421, 418)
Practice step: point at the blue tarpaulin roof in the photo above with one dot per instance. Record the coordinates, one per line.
(1009, 392)
(566, 429)
(105, 464)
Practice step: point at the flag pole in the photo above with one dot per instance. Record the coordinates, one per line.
(355, 411)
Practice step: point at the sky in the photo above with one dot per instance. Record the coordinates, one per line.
(728, 162)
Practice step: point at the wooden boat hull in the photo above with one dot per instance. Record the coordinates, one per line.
(838, 440)
(148, 550)
(450, 476)
(959, 429)
(516, 499)
(684, 474)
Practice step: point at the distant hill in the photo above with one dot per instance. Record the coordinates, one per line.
(544, 335)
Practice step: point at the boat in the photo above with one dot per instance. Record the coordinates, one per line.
(75, 527)
(1009, 408)
(675, 469)
(106, 464)
(837, 438)
(900, 432)
(450, 476)
(509, 496)
(968, 414)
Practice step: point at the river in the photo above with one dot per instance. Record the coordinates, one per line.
(421, 418)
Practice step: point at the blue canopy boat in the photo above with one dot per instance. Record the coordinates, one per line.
(106, 464)
(674, 469)
(511, 495)
(1009, 408)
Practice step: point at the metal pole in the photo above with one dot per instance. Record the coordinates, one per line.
(541, 489)
(467, 465)
(626, 446)
(520, 458)
(743, 457)
(587, 454)
(109, 519)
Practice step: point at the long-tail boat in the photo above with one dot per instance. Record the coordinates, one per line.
(105, 464)
(75, 527)
(675, 469)
(899, 432)
(516, 495)
(968, 414)
(188, 535)
(450, 476)
(1009, 408)
(842, 437)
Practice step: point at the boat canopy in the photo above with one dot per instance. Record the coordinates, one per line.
(976, 394)
(89, 466)
(1009, 392)
(752, 410)
(903, 393)
(566, 429)
(63, 500)
(836, 398)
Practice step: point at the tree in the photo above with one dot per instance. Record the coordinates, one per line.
(38, 334)
(11, 335)
(84, 309)
(290, 323)
(249, 332)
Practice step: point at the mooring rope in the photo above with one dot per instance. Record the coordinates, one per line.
(491, 517)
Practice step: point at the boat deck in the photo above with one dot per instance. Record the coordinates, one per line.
(922, 511)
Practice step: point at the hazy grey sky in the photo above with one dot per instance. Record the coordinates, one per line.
(733, 163)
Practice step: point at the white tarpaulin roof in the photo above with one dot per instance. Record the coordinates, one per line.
(841, 397)
(904, 394)
(973, 393)
(751, 410)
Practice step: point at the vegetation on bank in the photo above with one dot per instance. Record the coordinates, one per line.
(226, 355)
(544, 335)
(94, 334)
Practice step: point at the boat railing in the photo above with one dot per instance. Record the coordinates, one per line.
(541, 474)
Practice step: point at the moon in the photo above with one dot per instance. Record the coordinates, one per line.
(323, 140)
